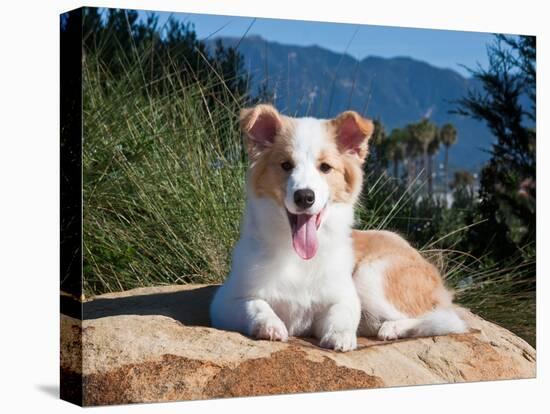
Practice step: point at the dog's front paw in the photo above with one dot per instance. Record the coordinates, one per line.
(388, 331)
(272, 329)
(339, 341)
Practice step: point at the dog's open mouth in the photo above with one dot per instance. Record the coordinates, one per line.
(304, 233)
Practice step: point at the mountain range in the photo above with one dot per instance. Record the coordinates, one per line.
(314, 81)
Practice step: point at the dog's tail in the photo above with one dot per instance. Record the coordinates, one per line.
(440, 321)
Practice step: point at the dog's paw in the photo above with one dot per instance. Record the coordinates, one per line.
(339, 341)
(272, 330)
(389, 331)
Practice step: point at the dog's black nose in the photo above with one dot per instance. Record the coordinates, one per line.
(304, 198)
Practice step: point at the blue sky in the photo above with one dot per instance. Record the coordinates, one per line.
(441, 48)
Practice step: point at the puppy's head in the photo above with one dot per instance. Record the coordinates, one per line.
(305, 165)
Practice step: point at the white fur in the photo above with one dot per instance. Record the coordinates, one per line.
(271, 292)
(309, 135)
(381, 318)
(440, 321)
(369, 282)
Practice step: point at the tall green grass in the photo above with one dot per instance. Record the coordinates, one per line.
(163, 181)
(163, 171)
(500, 293)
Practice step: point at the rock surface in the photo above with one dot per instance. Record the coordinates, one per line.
(154, 344)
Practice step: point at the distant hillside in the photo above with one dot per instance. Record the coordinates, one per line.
(318, 82)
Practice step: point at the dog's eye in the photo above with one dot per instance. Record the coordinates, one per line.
(325, 168)
(287, 166)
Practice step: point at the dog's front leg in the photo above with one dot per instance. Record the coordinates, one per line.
(263, 322)
(337, 326)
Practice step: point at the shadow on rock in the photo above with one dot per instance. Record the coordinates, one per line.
(190, 307)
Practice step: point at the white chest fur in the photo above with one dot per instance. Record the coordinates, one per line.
(266, 267)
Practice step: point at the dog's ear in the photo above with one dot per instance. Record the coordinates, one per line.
(352, 133)
(260, 124)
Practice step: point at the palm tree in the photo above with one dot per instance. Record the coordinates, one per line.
(463, 188)
(464, 179)
(448, 137)
(412, 150)
(433, 149)
(424, 132)
(395, 150)
(379, 133)
(379, 143)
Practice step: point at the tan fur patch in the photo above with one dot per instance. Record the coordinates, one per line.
(249, 117)
(346, 178)
(265, 174)
(365, 129)
(268, 179)
(412, 284)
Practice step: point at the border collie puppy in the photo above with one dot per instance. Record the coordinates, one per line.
(299, 269)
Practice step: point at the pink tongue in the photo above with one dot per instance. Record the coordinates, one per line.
(304, 236)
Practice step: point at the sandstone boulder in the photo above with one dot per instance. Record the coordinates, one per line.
(154, 344)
